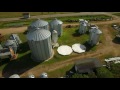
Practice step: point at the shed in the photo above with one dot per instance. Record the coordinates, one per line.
(87, 65)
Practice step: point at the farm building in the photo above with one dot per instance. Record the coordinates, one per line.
(87, 65)
(38, 24)
(94, 36)
(56, 25)
(40, 44)
(16, 38)
(12, 44)
(83, 26)
(26, 15)
(6, 53)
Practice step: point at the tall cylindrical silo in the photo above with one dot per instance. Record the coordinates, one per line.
(54, 36)
(94, 36)
(56, 25)
(12, 44)
(40, 44)
(83, 26)
(38, 24)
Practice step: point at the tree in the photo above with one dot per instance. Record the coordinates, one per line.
(103, 72)
(76, 75)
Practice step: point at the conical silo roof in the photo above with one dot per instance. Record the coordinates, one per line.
(98, 31)
(9, 42)
(14, 76)
(38, 23)
(39, 34)
(56, 22)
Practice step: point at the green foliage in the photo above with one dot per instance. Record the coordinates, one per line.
(115, 69)
(103, 72)
(92, 75)
(76, 75)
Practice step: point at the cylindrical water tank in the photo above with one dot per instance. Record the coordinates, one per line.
(54, 36)
(40, 44)
(56, 25)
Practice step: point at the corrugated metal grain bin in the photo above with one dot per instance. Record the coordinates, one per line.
(40, 44)
(38, 24)
(12, 44)
(94, 36)
(56, 25)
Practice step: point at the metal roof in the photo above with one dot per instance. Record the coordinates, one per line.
(39, 34)
(14, 76)
(38, 23)
(9, 42)
(56, 22)
(95, 30)
(98, 31)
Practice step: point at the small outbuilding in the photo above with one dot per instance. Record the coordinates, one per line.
(87, 65)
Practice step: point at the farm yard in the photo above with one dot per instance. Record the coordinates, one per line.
(59, 65)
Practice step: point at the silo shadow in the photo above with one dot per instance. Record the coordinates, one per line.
(19, 66)
(88, 46)
(116, 40)
(24, 47)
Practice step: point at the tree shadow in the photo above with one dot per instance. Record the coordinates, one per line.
(70, 72)
(19, 66)
(116, 40)
(88, 46)
(24, 47)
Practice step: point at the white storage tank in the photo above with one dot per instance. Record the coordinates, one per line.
(38, 24)
(94, 36)
(83, 26)
(56, 25)
(54, 36)
(40, 44)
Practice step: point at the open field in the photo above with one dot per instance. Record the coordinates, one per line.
(69, 19)
(19, 14)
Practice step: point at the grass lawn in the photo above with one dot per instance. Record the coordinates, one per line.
(60, 72)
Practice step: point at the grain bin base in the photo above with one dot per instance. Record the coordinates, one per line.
(43, 60)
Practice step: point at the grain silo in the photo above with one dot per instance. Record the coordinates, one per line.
(56, 25)
(40, 44)
(38, 24)
(12, 44)
(44, 75)
(83, 26)
(94, 36)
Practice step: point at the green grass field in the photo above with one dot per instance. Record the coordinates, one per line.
(24, 22)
